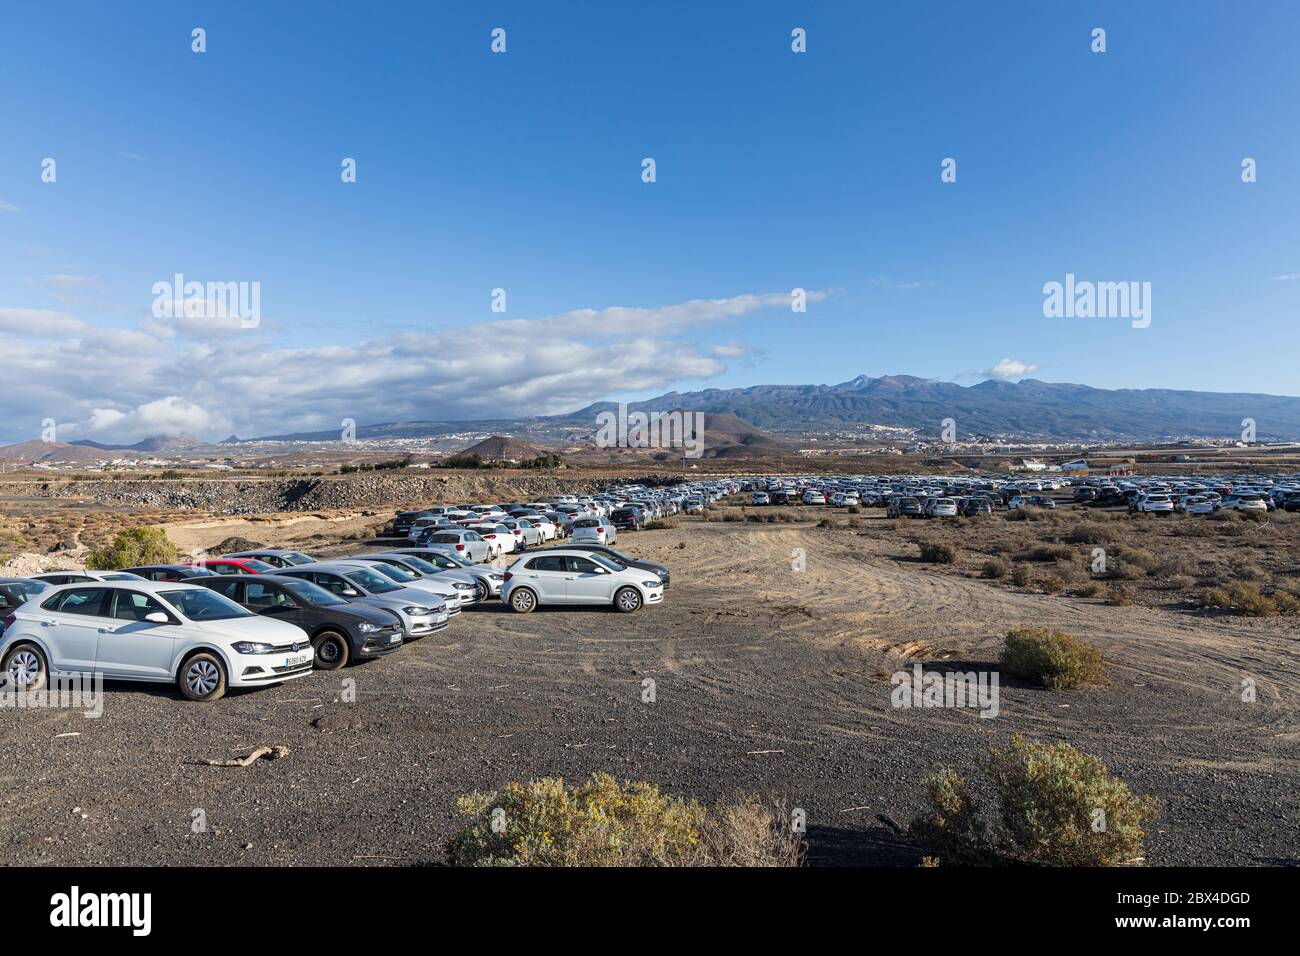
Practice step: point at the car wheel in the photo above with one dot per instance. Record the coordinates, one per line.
(522, 600)
(25, 668)
(202, 677)
(332, 650)
(627, 600)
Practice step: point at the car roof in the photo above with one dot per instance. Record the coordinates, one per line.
(149, 587)
(338, 565)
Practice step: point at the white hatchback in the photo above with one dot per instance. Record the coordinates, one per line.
(154, 631)
(578, 577)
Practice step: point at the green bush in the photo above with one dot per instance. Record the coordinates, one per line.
(938, 552)
(606, 823)
(1061, 807)
(1051, 658)
(1056, 806)
(132, 547)
(1247, 599)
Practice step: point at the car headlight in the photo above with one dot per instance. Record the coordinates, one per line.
(365, 627)
(662, 573)
(497, 577)
(252, 647)
(651, 584)
(415, 610)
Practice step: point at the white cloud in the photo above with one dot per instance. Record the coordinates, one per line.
(1287, 277)
(1010, 368)
(164, 376)
(7, 206)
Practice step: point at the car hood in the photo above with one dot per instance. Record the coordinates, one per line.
(357, 613)
(257, 628)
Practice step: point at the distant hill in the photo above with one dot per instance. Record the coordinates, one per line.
(31, 452)
(154, 443)
(505, 448)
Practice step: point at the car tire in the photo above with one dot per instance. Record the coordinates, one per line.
(25, 667)
(523, 600)
(202, 677)
(332, 650)
(627, 600)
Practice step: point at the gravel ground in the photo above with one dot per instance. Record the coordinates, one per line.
(767, 681)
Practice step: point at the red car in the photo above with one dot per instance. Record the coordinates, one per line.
(236, 566)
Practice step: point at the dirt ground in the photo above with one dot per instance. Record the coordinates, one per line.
(767, 680)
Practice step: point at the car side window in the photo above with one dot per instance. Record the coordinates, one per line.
(134, 606)
(581, 565)
(472, 536)
(263, 596)
(226, 568)
(331, 583)
(232, 590)
(88, 602)
(551, 563)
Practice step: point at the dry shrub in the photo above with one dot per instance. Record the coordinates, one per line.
(1090, 533)
(1052, 584)
(133, 547)
(1052, 658)
(662, 524)
(606, 823)
(1056, 807)
(1021, 576)
(1247, 599)
(1090, 589)
(938, 552)
(994, 568)
(1046, 552)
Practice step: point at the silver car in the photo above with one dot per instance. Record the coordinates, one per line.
(471, 588)
(447, 563)
(421, 612)
(593, 531)
(457, 594)
(459, 541)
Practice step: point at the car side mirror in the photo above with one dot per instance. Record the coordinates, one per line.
(157, 617)
(348, 592)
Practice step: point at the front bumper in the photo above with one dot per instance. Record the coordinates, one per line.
(248, 670)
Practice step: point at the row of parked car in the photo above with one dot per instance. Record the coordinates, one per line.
(266, 616)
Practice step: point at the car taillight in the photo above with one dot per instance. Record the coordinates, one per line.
(518, 531)
(460, 547)
(507, 576)
(9, 621)
(600, 531)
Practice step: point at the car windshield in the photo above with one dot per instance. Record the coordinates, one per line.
(395, 573)
(371, 581)
(605, 562)
(122, 576)
(297, 557)
(253, 564)
(421, 565)
(200, 604)
(310, 593)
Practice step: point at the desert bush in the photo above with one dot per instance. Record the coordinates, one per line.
(1090, 534)
(826, 523)
(1021, 576)
(1090, 589)
(938, 552)
(134, 546)
(606, 823)
(1120, 595)
(1061, 807)
(1046, 552)
(662, 524)
(1246, 599)
(854, 510)
(1052, 658)
(994, 568)
(1056, 806)
(1052, 584)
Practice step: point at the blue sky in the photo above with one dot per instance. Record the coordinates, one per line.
(522, 170)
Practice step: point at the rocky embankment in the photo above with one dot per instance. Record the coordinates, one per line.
(260, 496)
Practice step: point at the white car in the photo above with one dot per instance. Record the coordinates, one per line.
(543, 524)
(940, 507)
(455, 590)
(560, 576)
(1247, 501)
(593, 531)
(811, 497)
(1200, 505)
(459, 541)
(500, 539)
(85, 577)
(1153, 504)
(151, 631)
(760, 498)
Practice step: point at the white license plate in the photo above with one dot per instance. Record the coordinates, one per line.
(296, 659)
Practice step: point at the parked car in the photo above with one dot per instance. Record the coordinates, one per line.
(813, 497)
(421, 613)
(1244, 502)
(1152, 504)
(446, 561)
(562, 576)
(457, 594)
(618, 557)
(628, 519)
(151, 631)
(473, 588)
(593, 531)
(940, 508)
(904, 508)
(275, 557)
(339, 632)
(1200, 505)
(760, 498)
(972, 507)
(527, 535)
(170, 572)
(468, 544)
(500, 539)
